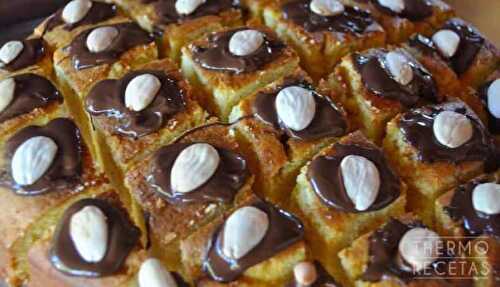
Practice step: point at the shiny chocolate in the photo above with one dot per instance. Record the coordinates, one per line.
(129, 36)
(216, 56)
(493, 122)
(417, 128)
(106, 100)
(222, 187)
(325, 176)
(33, 51)
(323, 278)
(327, 122)
(415, 10)
(352, 20)
(31, 92)
(167, 14)
(377, 79)
(123, 236)
(67, 166)
(475, 223)
(99, 12)
(284, 230)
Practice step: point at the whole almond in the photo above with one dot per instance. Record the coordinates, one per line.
(361, 180)
(419, 247)
(7, 89)
(194, 166)
(245, 42)
(305, 273)
(186, 7)
(32, 159)
(452, 129)
(141, 91)
(399, 67)
(486, 198)
(10, 51)
(89, 233)
(295, 107)
(101, 38)
(447, 42)
(394, 5)
(243, 231)
(75, 11)
(153, 274)
(493, 95)
(327, 7)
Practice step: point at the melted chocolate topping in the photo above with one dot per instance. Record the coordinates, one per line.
(325, 176)
(129, 35)
(352, 20)
(417, 127)
(376, 78)
(216, 55)
(493, 122)
(415, 10)
(284, 230)
(31, 92)
(327, 122)
(229, 177)
(66, 168)
(99, 12)
(33, 50)
(323, 279)
(107, 99)
(475, 223)
(167, 14)
(123, 236)
(385, 258)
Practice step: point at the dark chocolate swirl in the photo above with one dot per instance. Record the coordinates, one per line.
(230, 176)
(167, 14)
(475, 223)
(129, 36)
(31, 92)
(352, 20)
(216, 55)
(284, 230)
(386, 261)
(415, 10)
(106, 99)
(417, 128)
(123, 236)
(375, 76)
(327, 122)
(99, 12)
(323, 278)
(33, 51)
(493, 122)
(66, 168)
(325, 177)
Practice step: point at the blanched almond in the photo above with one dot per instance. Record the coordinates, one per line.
(153, 274)
(327, 7)
(141, 91)
(89, 233)
(447, 42)
(452, 129)
(7, 89)
(399, 67)
(245, 42)
(394, 5)
(186, 7)
(419, 247)
(101, 39)
(486, 198)
(10, 51)
(361, 180)
(75, 11)
(296, 107)
(493, 95)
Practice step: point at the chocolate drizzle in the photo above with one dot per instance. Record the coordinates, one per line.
(352, 20)
(167, 14)
(417, 128)
(216, 56)
(415, 10)
(33, 51)
(325, 177)
(475, 223)
(99, 12)
(323, 278)
(385, 258)
(106, 99)
(376, 78)
(31, 92)
(493, 122)
(327, 122)
(66, 168)
(129, 35)
(284, 230)
(123, 236)
(229, 177)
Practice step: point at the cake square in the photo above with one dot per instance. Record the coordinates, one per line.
(226, 73)
(415, 16)
(59, 29)
(280, 148)
(377, 84)
(322, 39)
(378, 258)
(192, 180)
(128, 129)
(321, 197)
(180, 24)
(267, 262)
(431, 162)
(43, 165)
